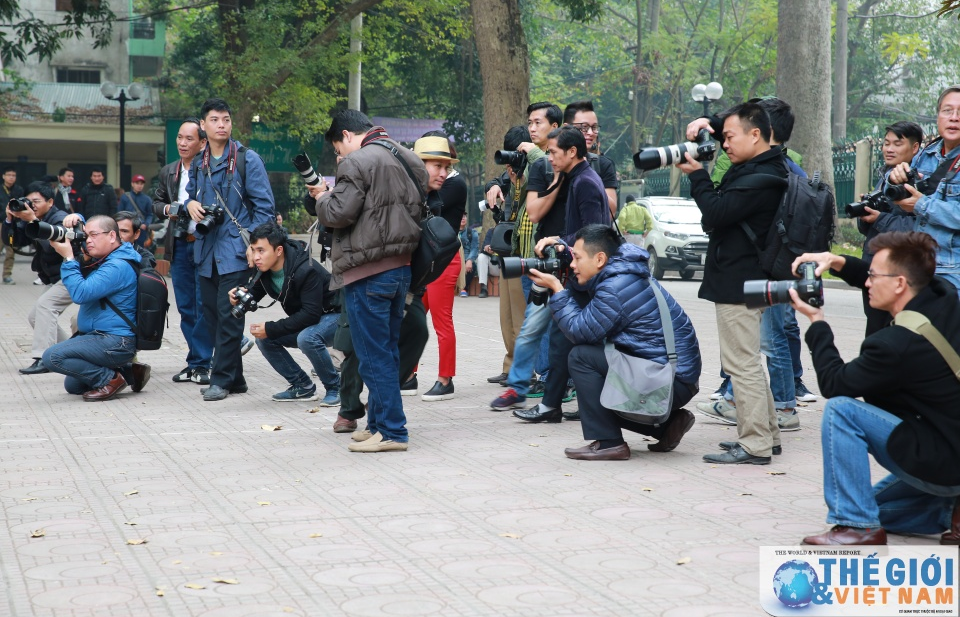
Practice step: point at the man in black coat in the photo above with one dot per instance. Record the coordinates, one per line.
(732, 259)
(908, 419)
(97, 197)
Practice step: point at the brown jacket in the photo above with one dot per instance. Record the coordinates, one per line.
(374, 210)
(168, 188)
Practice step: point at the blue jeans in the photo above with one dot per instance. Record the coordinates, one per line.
(375, 305)
(774, 344)
(186, 289)
(542, 365)
(313, 342)
(536, 319)
(900, 503)
(792, 330)
(89, 360)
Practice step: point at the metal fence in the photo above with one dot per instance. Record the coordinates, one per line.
(844, 172)
(657, 183)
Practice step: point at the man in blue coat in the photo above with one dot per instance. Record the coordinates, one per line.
(622, 310)
(228, 176)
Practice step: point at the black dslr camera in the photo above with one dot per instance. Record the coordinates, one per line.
(513, 267)
(246, 303)
(702, 149)
(516, 160)
(181, 227)
(19, 204)
(896, 192)
(875, 200)
(212, 215)
(758, 294)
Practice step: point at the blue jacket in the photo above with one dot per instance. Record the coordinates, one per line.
(143, 203)
(114, 279)
(623, 309)
(223, 243)
(939, 214)
(470, 241)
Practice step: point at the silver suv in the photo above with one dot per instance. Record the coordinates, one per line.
(677, 241)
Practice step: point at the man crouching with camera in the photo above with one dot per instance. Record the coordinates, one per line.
(909, 420)
(288, 274)
(623, 310)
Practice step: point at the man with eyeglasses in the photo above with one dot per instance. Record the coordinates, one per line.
(908, 418)
(44, 315)
(581, 116)
(937, 202)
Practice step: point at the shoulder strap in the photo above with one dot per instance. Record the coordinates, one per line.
(918, 323)
(134, 204)
(758, 181)
(393, 150)
(666, 323)
(107, 302)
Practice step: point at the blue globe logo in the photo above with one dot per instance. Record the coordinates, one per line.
(794, 582)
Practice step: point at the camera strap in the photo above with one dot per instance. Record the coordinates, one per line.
(424, 210)
(244, 234)
(920, 324)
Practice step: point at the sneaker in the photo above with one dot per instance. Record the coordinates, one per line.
(246, 345)
(716, 396)
(722, 410)
(201, 376)
(296, 393)
(377, 443)
(788, 420)
(8, 280)
(409, 387)
(38, 281)
(570, 394)
(497, 378)
(439, 392)
(509, 400)
(185, 376)
(331, 399)
(804, 395)
(464, 294)
(536, 389)
(483, 292)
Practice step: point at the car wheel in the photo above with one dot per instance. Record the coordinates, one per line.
(654, 263)
(687, 274)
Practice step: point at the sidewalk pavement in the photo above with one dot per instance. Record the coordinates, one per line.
(482, 516)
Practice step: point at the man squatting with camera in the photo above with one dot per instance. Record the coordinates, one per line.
(623, 310)
(287, 273)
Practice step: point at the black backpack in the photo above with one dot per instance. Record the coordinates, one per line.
(152, 304)
(804, 222)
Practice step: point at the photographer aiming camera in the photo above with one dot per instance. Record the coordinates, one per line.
(908, 419)
(302, 286)
(44, 315)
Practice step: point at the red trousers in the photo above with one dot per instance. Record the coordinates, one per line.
(438, 301)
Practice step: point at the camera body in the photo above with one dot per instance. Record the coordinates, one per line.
(19, 204)
(875, 200)
(896, 192)
(758, 294)
(513, 267)
(702, 149)
(181, 227)
(212, 215)
(515, 159)
(38, 230)
(246, 303)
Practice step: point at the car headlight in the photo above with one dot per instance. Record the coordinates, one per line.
(675, 235)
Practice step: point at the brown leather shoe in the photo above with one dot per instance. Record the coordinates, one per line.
(107, 392)
(591, 453)
(677, 426)
(849, 535)
(140, 375)
(342, 425)
(952, 535)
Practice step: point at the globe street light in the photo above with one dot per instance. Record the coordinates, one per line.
(114, 92)
(705, 94)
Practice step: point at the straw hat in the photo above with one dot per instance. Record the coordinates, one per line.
(434, 148)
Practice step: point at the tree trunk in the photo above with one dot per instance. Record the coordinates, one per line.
(840, 58)
(504, 69)
(803, 70)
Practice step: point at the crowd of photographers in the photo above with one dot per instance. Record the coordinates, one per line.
(579, 309)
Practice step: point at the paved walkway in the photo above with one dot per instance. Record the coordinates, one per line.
(483, 516)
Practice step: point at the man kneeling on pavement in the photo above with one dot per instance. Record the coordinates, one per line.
(915, 435)
(623, 310)
(97, 361)
(288, 274)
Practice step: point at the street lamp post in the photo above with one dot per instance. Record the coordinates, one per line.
(114, 92)
(706, 94)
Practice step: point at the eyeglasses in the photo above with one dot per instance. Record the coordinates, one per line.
(587, 128)
(949, 112)
(94, 234)
(872, 275)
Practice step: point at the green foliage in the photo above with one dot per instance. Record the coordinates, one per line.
(23, 34)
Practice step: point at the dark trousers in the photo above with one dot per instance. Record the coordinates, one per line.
(413, 340)
(588, 365)
(560, 347)
(226, 369)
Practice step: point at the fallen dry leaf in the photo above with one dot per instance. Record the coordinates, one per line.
(683, 560)
(743, 494)
(271, 427)
(649, 490)
(177, 562)
(29, 499)
(313, 410)
(216, 553)
(128, 493)
(777, 473)
(129, 523)
(315, 535)
(569, 475)
(288, 609)
(510, 535)
(227, 581)
(263, 503)
(37, 533)
(534, 445)
(195, 586)
(160, 592)
(137, 541)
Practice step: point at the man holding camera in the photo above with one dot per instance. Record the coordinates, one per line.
(178, 248)
(9, 190)
(97, 358)
(44, 315)
(302, 286)
(732, 259)
(228, 195)
(907, 376)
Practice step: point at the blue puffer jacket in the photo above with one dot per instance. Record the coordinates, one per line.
(115, 280)
(623, 309)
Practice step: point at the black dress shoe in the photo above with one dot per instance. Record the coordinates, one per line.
(572, 416)
(497, 378)
(592, 452)
(139, 376)
(534, 414)
(676, 427)
(736, 456)
(726, 445)
(37, 368)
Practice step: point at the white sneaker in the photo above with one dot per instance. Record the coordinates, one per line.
(722, 410)
(38, 281)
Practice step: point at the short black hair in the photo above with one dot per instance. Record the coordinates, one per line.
(571, 110)
(64, 170)
(515, 136)
(269, 231)
(106, 223)
(133, 217)
(569, 137)
(7, 168)
(906, 130)
(598, 238)
(214, 104)
(191, 120)
(554, 115)
(630, 197)
(781, 117)
(351, 120)
(97, 170)
(44, 188)
(914, 253)
(752, 116)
